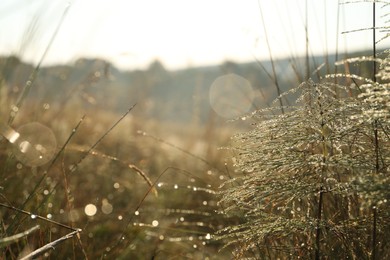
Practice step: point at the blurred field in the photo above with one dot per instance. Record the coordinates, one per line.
(175, 219)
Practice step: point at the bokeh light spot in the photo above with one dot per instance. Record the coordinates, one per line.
(90, 210)
(231, 96)
(37, 144)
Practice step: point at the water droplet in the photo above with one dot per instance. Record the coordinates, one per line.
(49, 216)
(120, 217)
(116, 185)
(15, 109)
(175, 186)
(204, 203)
(90, 210)
(136, 213)
(161, 237)
(208, 236)
(154, 223)
(195, 246)
(33, 216)
(46, 192)
(46, 106)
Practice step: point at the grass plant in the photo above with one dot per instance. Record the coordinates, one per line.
(299, 193)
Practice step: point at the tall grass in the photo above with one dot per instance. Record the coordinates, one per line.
(314, 180)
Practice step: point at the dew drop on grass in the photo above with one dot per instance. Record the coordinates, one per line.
(46, 106)
(120, 217)
(90, 210)
(49, 216)
(175, 186)
(116, 185)
(33, 216)
(15, 109)
(136, 213)
(154, 223)
(10, 134)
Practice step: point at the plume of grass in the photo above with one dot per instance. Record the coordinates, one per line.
(299, 169)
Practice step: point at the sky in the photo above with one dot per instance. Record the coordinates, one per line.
(181, 33)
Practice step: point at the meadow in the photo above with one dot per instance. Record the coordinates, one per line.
(96, 163)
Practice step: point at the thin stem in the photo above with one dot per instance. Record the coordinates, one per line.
(307, 43)
(318, 229)
(376, 139)
(33, 75)
(272, 61)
